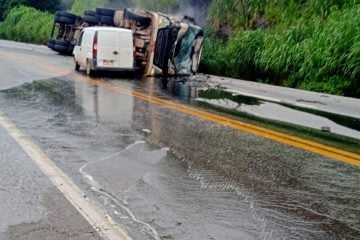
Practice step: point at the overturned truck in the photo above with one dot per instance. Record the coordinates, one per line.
(163, 45)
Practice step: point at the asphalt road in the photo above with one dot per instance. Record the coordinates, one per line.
(155, 161)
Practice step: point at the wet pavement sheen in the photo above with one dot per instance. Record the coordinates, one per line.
(167, 175)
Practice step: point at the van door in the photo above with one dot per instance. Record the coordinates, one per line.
(115, 49)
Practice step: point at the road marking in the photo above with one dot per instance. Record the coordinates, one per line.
(91, 211)
(324, 150)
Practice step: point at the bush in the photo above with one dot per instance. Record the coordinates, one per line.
(213, 58)
(27, 24)
(42, 5)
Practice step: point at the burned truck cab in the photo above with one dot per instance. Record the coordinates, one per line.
(164, 45)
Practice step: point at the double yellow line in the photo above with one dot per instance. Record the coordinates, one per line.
(335, 153)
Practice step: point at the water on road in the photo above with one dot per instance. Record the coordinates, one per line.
(167, 175)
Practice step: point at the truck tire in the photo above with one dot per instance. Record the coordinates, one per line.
(90, 20)
(62, 43)
(105, 12)
(65, 20)
(106, 20)
(58, 13)
(57, 18)
(90, 13)
(51, 43)
(60, 49)
(68, 15)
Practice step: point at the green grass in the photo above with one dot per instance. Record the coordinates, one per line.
(26, 24)
(316, 49)
(79, 6)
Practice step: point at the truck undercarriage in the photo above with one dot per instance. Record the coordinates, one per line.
(163, 45)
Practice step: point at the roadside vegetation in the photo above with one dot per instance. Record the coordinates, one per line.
(79, 6)
(307, 44)
(42, 5)
(26, 24)
(313, 45)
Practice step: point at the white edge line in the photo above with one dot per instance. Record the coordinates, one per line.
(90, 210)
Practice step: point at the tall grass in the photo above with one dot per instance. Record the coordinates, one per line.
(27, 24)
(79, 6)
(321, 53)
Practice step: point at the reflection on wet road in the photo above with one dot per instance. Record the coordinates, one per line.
(167, 175)
(341, 125)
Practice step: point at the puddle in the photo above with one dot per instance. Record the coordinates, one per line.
(337, 124)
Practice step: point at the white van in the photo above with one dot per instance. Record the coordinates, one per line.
(105, 48)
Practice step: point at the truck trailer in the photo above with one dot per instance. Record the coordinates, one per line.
(163, 44)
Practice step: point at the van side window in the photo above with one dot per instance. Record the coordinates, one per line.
(81, 38)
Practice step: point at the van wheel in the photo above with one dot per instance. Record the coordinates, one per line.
(89, 71)
(76, 65)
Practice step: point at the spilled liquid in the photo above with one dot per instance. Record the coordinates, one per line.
(166, 175)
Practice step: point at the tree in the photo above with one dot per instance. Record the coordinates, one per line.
(43, 5)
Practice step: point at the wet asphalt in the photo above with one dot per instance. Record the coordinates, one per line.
(159, 173)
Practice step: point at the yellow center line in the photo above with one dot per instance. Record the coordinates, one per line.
(335, 153)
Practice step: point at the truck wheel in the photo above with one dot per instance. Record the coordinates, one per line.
(60, 49)
(65, 20)
(106, 12)
(69, 15)
(76, 65)
(89, 71)
(90, 13)
(106, 20)
(57, 18)
(51, 43)
(58, 13)
(90, 20)
(62, 43)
